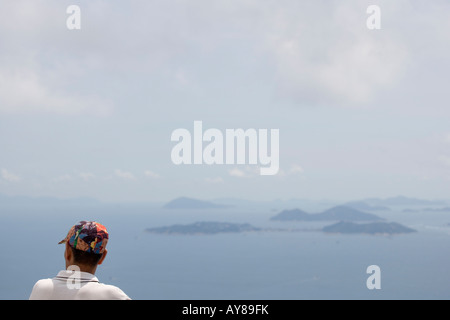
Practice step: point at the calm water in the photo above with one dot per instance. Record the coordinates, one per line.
(262, 265)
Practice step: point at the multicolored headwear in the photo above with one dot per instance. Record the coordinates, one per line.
(88, 236)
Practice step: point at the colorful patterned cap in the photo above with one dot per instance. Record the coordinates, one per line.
(88, 236)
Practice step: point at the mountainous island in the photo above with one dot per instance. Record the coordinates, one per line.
(189, 203)
(204, 227)
(444, 209)
(363, 206)
(368, 228)
(211, 227)
(339, 213)
(402, 201)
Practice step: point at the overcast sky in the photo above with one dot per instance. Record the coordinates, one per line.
(90, 112)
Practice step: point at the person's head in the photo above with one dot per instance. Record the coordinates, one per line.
(86, 245)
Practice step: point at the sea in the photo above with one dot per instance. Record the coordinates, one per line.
(300, 264)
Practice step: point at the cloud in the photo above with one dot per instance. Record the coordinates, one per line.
(320, 53)
(151, 174)
(296, 169)
(447, 138)
(445, 160)
(25, 91)
(235, 172)
(63, 178)
(214, 180)
(246, 172)
(124, 175)
(327, 55)
(181, 78)
(86, 176)
(9, 176)
(42, 65)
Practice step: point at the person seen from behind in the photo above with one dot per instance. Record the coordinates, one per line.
(85, 250)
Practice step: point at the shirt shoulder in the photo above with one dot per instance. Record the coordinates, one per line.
(101, 291)
(42, 290)
(89, 289)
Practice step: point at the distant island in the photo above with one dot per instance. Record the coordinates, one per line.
(402, 201)
(339, 213)
(368, 228)
(204, 227)
(189, 203)
(211, 227)
(445, 209)
(361, 205)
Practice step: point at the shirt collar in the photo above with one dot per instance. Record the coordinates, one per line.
(84, 276)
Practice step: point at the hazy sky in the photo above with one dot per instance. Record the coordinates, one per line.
(90, 112)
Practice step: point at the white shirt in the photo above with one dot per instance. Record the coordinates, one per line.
(85, 286)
